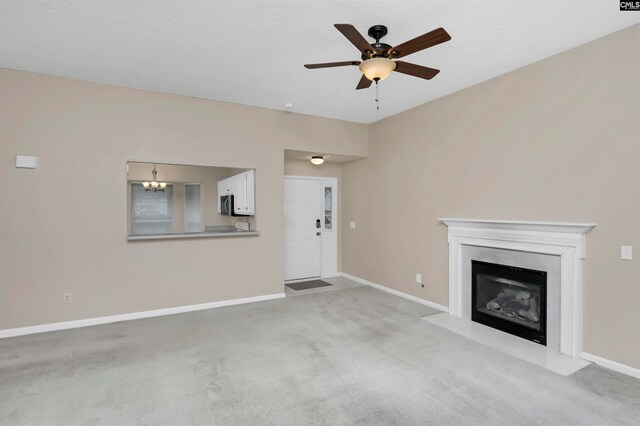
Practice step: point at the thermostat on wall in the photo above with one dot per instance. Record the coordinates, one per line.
(26, 161)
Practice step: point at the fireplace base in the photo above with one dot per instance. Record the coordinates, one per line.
(515, 346)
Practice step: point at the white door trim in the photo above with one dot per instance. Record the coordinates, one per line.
(328, 264)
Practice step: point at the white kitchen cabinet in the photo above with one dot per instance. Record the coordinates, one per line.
(239, 193)
(225, 187)
(242, 186)
(251, 191)
(244, 193)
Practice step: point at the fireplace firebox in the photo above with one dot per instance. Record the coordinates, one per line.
(510, 299)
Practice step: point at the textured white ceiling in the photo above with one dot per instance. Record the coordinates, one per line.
(252, 52)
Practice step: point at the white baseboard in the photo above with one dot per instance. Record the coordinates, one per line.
(612, 365)
(13, 332)
(396, 292)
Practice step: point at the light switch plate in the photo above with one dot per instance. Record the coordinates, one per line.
(352, 225)
(26, 161)
(626, 253)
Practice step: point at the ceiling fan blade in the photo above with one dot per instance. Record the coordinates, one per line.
(332, 64)
(363, 83)
(416, 70)
(350, 32)
(422, 42)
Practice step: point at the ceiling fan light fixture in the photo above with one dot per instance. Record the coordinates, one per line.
(377, 68)
(317, 159)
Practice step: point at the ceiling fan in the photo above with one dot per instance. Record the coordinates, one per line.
(378, 58)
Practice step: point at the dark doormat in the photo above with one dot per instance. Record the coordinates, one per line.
(306, 285)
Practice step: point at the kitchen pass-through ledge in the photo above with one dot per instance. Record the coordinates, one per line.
(192, 235)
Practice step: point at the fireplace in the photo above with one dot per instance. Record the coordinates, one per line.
(510, 299)
(565, 242)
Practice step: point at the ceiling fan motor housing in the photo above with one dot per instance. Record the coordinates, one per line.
(379, 49)
(377, 32)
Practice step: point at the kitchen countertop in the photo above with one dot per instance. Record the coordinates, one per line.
(206, 234)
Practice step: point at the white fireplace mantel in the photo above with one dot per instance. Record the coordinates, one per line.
(521, 225)
(566, 240)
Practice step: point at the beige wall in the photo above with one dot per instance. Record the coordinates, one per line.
(64, 224)
(305, 168)
(558, 140)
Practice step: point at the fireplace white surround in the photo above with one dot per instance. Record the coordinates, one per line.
(566, 240)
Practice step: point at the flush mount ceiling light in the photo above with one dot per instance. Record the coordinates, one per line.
(154, 185)
(317, 159)
(376, 69)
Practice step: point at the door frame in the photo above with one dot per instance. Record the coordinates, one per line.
(329, 261)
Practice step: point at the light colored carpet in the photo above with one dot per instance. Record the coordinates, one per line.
(352, 356)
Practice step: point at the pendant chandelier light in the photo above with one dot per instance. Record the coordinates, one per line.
(154, 185)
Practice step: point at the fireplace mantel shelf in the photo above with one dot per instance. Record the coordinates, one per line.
(522, 225)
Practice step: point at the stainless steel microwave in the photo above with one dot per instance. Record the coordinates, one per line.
(226, 205)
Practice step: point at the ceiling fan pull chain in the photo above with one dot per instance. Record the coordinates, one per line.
(377, 100)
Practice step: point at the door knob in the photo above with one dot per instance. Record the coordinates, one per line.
(318, 233)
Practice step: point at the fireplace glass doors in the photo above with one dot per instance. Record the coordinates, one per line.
(510, 299)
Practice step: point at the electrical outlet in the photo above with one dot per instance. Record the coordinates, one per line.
(67, 298)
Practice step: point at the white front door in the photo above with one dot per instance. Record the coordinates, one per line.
(303, 228)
